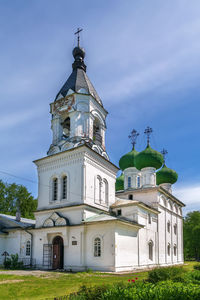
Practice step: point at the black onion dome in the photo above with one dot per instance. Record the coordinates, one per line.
(78, 78)
(77, 51)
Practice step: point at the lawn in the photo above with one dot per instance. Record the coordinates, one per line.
(54, 284)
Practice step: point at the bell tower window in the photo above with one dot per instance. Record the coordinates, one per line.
(97, 138)
(66, 127)
(64, 187)
(55, 189)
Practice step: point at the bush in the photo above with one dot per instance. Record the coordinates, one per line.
(13, 262)
(166, 273)
(193, 277)
(138, 291)
(197, 267)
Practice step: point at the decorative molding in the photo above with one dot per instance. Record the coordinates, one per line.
(55, 220)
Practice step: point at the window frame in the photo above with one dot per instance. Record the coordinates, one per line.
(175, 229)
(55, 189)
(129, 182)
(138, 182)
(150, 246)
(64, 187)
(149, 218)
(97, 247)
(168, 249)
(175, 250)
(168, 226)
(28, 248)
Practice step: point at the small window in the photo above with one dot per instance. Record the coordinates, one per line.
(168, 249)
(99, 188)
(130, 197)
(149, 218)
(168, 226)
(28, 248)
(74, 243)
(138, 181)
(55, 189)
(64, 187)
(175, 250)
(97, 247)
(119, 212)
(175, 229)
(129, 182)
(151, 250)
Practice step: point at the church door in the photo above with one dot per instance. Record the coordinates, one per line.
(57, 253)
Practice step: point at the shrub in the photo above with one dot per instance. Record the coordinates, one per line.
(139, 291)
(193, 277)
(7, 263)
(167, 273)
(13, 262)
(197, 267)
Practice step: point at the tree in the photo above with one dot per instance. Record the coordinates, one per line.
(192, 235)
(14, 196)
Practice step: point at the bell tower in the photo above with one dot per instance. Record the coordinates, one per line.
(78, 115)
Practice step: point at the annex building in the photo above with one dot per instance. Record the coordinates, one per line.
(86, 218)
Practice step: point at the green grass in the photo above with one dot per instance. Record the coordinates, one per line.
(58, 284)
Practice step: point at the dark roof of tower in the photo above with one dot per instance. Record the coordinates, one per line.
(78, 78)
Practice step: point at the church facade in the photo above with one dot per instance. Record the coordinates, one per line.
(86, 219)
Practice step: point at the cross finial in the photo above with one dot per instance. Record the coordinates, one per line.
(164, 153)
(133, 137)
(148, 132)
(78, 35)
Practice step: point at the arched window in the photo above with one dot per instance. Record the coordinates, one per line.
(97, 247)
(64, 187)
(98, 188)
(55, 189)
(130, 197)
(105, 191)
(150, 250)
(97, 138)
(28, 248)
(175, 229)
(168, 226)
(149, 218)
(138, 181)
(66, 127)
(175, 249)
(168, 248)
(129, 182)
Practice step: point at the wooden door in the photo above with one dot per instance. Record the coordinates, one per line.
(56, 256)
(58, 252)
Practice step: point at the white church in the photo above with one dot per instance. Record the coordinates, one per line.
(86, 218)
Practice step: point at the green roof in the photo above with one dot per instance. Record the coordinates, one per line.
(149, 158)
(128, 160)
(119, 185)
(166, 175)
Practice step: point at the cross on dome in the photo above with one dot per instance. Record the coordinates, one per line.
(164, 153)
(133, 137)
(148, 132)
(78, 35)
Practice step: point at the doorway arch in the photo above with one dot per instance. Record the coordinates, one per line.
(58, 252)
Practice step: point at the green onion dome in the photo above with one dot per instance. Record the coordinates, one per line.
(119, 185)
(128, 160)
(166, 175)
(149, 158)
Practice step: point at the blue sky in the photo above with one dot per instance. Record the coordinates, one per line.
(143, 58)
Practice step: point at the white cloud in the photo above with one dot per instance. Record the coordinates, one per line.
(190, 196)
